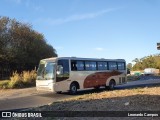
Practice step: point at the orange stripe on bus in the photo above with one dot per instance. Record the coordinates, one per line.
(98, 78)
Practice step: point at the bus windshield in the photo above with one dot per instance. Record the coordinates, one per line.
(46, 71)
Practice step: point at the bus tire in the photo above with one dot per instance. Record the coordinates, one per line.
(112, 84)
(73, 89)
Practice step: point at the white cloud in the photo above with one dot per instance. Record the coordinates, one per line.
(99, 49)
(29, 4)
(75, 17)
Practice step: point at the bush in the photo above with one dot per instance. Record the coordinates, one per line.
(25, 79)
(29, 77)
(4, 84)
(16, 81)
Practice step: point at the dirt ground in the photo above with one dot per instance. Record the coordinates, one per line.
(15, 93)
(138, 99)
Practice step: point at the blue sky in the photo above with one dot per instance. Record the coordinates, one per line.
(114, 29)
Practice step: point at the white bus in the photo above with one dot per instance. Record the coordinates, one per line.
(60, 74)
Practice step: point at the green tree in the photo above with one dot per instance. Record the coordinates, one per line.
(129, 66)
(136, 60)
(22, 47)
(152, 61)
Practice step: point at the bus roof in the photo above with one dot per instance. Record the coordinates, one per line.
(79, 58)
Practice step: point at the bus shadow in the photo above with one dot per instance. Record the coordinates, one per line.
(91, 91)
(82, 92)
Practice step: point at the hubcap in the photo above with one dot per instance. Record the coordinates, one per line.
(73, 88)
(112, 85)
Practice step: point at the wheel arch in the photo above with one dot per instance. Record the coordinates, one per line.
(113, 80)
(108, 81)
(76, 83)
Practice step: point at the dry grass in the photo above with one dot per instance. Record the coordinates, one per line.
(29, 77)
(4, 84)
(138, 99)
(16, 81)
(129, 99)
(25, 79)
(119, 94)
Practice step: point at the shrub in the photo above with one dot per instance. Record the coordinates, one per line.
(25, 79)
(29, 77)
(4, 84)
(16, 81)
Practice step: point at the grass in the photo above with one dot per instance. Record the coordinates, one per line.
(118, 100)
(4, 84)
(24, 79)
(138, 99)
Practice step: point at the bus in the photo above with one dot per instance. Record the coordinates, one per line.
(61, 74)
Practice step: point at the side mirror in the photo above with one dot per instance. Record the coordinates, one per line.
(59, 70)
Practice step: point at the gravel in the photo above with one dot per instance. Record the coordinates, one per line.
(138, 99)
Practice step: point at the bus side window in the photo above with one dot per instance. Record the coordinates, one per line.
(112, 65)
(121, 66)
(80, 65)
(65, 65)
(102, 65)
(73, 66)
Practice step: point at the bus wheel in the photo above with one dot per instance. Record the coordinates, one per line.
(73, 89)
(112, 85)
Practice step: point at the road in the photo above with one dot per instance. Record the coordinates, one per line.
(27, 98)
(35, 100)
(142, 82)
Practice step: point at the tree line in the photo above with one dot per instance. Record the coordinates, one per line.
(21, 47)
(152, 61)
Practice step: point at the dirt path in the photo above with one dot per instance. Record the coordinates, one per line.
(15, 93)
